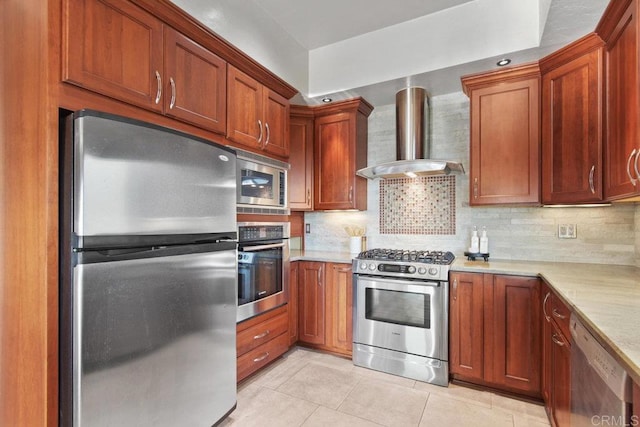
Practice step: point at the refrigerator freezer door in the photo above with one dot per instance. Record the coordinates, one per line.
(154, 340)
(132, 178)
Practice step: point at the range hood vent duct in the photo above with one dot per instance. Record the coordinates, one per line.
(413, 150)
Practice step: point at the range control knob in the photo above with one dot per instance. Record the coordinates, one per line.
(372, 266)
(433, 271)
(363, 266)
(422, 270)
(411, 269)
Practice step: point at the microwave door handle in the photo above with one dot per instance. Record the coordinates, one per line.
(262, 247)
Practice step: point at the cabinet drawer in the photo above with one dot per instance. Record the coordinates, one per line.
(260, 356)
(261, 333)
(560, 314)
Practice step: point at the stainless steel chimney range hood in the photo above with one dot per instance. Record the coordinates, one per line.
(412, 147)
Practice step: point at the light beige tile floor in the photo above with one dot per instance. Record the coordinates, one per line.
(309, 388)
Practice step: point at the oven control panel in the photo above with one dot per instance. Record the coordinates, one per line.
(409, 270)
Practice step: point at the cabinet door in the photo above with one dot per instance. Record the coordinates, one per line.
(244, 109)
(505, 143)
(334, 162)
(561, 378)
(572, 131)
(466, 344)
(301, 161)
(516, 343)
(293, 303)
(547, 347)
(339, 306)
(622, 82)
(196, 83)
(311, 288)
(114, 48)
(276, 124)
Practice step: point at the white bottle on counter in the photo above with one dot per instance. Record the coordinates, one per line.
(484, 241)
(475, 241)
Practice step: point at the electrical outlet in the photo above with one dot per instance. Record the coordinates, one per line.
(567, 231)
(307, 228)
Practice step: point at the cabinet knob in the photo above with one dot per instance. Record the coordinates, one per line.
(159, 90)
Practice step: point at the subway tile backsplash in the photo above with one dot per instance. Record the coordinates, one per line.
(607, 235)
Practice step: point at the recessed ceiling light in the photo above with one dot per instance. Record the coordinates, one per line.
(503, 62)
(326, 99)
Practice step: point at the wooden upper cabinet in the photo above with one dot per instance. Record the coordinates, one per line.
(505, 136)
(197, 84)
(572, 86)
(115, 48)
(301, 159)
(466, 344)
(619, 29)
(340, 149)
(257, 117)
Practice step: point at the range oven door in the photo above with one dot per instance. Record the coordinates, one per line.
(262, 277)
(402, 315)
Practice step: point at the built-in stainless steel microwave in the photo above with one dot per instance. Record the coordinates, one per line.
(262, 184)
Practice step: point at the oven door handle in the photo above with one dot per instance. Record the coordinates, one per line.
(261, 247)
(379, 282)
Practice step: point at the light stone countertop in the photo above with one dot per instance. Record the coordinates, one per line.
(605, 297)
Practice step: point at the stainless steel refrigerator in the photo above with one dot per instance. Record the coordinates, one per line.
(148, 282)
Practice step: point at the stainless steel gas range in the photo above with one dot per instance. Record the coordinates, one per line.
(401, 315)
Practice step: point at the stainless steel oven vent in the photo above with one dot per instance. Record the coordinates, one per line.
(413, 149)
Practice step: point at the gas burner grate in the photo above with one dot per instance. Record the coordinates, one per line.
(427, 257)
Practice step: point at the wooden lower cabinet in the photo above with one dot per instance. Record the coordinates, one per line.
(325, 306)
(293, 303)
(556, 360)
(260, 340)
(495, 331)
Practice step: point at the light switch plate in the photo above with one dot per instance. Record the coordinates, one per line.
(567, 231)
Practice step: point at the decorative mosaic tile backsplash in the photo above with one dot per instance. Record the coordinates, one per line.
(423, 205)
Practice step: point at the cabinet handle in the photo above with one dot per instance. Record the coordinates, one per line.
(260, 136)
(173, 93)
(455, 289)
(319, 279)
(262, 335)
(555, 339)
(635, 164)
(261, 358)
(544, 306)
(351, 194)
(591, 174)
(475, 188)
(557, 314)
(631, 178)
(308, 195)
(266, 125)
(159, 90)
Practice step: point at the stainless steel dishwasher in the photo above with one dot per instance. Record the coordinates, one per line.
(600, 387)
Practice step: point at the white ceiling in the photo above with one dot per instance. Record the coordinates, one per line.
(373, 48)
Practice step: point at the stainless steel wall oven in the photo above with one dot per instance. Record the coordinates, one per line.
(401, 313)
(263, 267)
